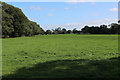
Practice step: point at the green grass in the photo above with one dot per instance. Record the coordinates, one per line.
(60, 56)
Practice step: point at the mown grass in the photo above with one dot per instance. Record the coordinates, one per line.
(60, 56)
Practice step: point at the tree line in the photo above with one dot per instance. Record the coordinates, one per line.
(114, 28)
(16, 24)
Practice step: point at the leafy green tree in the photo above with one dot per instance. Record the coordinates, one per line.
(114, 29)
(104, 29)
(64, 31)
(58, 30)
(74, 31)
(69, 32)
(85, 30)
(48, 32)
(16, 24)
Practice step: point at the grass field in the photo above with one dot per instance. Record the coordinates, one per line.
(61, 56)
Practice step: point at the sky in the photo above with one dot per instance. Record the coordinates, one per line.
(60, 0)
(69, 15)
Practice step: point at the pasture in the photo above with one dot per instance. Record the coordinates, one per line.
(61, 56)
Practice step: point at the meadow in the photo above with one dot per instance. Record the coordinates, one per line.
(61, 56)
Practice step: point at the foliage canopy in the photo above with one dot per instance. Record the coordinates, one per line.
(16, 24)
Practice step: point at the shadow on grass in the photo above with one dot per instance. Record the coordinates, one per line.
(107, 69)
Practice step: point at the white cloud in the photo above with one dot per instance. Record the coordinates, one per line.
(77, 1)
(50, 15)
(53, 9)
(72, 1)
(101, 21)
(107, 19)
(33, 19)
(83, 0)
(114, 9)
(79, 25)
(92, 3)
(36, 7)
(66, 8)
(57, 0)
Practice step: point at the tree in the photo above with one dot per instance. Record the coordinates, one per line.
(85, 30)
(48, 32)
(114, 28)
(74, 31)
(57, 30)
(69, 32)
(64, 31)
(104, 29)
(16, 24)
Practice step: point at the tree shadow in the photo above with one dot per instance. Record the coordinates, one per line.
(81, 68)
